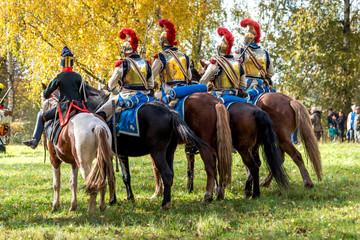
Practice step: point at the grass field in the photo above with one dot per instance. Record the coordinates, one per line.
(330, 210)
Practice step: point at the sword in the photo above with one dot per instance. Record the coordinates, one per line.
(146, 35)
(247, 47)
(114, 134)
(7, 92)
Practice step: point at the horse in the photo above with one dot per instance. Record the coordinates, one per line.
(161, 128)
(249, 127)
(78, 145)
(287, 115)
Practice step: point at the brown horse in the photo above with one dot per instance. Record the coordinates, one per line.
(287, 115)
(78, 145)
(209, 119)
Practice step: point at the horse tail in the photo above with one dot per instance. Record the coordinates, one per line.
(307, 136)
(185, 133)
(103, 167)
(271, 153)
(224, 144)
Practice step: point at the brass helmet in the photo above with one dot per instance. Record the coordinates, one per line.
(253, 31)
(227, 42)
(131, 43)
(167, 38)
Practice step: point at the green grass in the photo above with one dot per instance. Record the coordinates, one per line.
(330, 210)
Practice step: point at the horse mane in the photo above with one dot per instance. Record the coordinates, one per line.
(96, 98)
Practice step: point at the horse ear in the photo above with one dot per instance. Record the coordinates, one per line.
(43, 86)
(203, 64)
(192, 63)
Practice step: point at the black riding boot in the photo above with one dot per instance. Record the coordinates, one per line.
(39, 127)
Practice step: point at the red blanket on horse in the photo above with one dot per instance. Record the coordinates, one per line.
(74, 105)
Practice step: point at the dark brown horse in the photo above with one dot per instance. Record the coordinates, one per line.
(287, 115)
(209, 119)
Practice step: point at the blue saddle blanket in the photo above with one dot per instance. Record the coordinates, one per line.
(180, 107)
(128, 121)
(254, 94)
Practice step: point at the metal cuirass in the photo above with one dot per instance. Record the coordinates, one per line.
(223, 81)
(172, 71)
(249, 67)
(132, 77)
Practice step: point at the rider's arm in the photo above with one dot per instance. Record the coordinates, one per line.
(150, 80)
(51, 88)
(116, 77)
(209, 74)
(156, 68)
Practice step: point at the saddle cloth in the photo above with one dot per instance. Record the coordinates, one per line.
(53, 127)
(128, 119)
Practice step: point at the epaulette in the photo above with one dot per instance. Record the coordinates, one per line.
(119, 63)
(149, 62)
(155, 56)
(212, 61)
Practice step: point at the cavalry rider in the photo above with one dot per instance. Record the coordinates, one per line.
(256, 61)
(71, 93)
(172, 65)
(132, 73)
(225, 74)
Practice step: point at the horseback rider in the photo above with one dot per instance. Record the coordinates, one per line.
(132, 73)
(256, 61)
(71, 94)
(172, 65)
(225, 74)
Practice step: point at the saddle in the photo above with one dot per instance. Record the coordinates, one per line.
(53, 127)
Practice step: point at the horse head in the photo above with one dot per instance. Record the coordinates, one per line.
(50, 102)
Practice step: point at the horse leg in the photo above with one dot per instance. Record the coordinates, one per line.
(85, 171)
(166, 175)
(190, 172)
(102, 205)
(252, 170)
(210, 168)
(56, 186)
(124, 162)
(73, 185)
(296, 157)
(159, 188)
(112, 191)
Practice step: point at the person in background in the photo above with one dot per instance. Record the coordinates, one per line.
(330, 117)
(350, 124)
(340, 124)
(332, 132)
(316, 122)
(357, 124)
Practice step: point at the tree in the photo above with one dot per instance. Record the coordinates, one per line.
(315, 47)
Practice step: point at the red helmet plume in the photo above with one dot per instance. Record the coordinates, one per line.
(134, 42)
(229, 38)
(171, 32)
(256, 26)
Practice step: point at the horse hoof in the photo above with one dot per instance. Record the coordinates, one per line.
(255, 196)
(102, 208)
(308, 184)
(247, 193)
(155, 195)
(167, 206)
(265, 184)
(73, 208)
(55, 207)
(207, 198)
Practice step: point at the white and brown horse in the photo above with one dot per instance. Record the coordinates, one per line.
(85, 137)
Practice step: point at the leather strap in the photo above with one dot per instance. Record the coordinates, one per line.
(187, 79)
(139, 73)
(232, 75)
(257, 64)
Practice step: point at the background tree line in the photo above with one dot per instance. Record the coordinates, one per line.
(314, 44)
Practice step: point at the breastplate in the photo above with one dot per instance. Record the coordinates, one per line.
(249, 67)
(172, 70)
(223, 81)
(132, 77)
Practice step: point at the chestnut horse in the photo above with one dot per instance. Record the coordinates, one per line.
(287, 115)
(83, 138)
